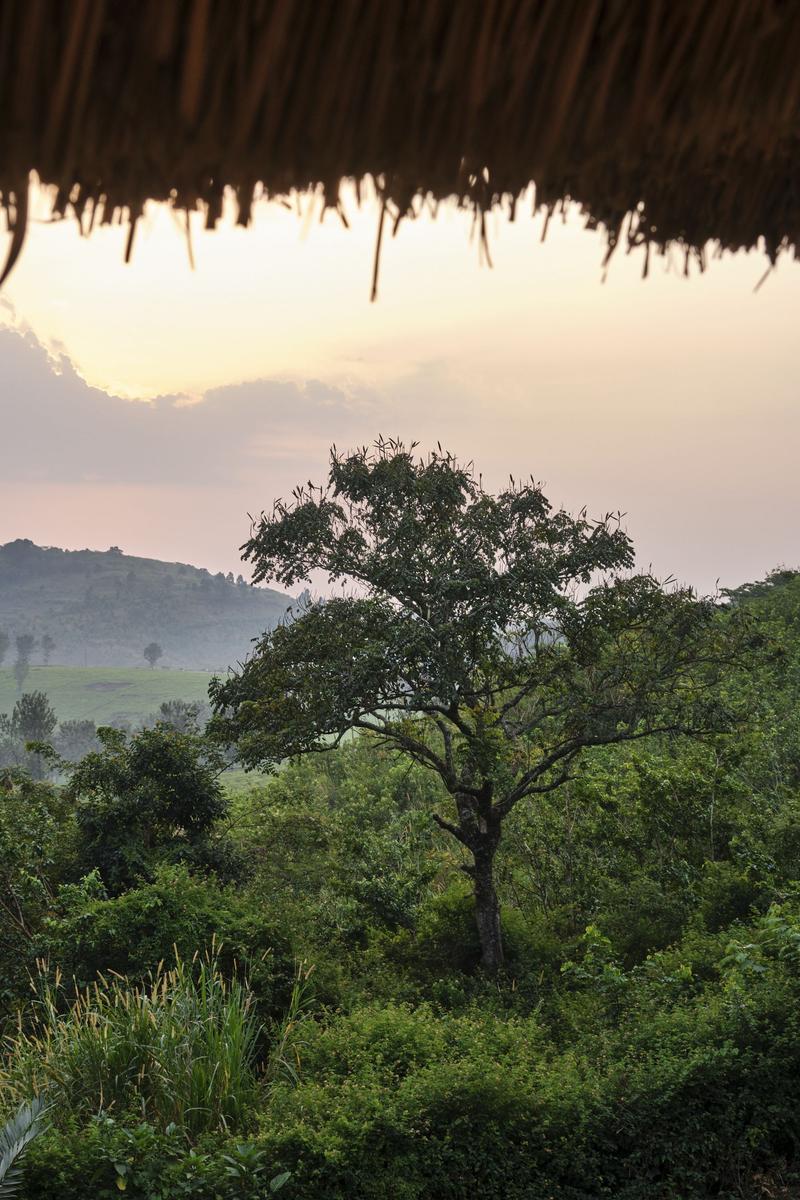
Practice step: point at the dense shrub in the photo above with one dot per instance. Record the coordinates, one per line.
(92, 933)
(146, 800)
(37, 836)
(691, 1094)
(437, 960)
(642, 1042)
(104, 1159)
(727, 894)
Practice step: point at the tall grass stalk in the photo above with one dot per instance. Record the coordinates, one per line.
(181, 1049)
(283, 1060)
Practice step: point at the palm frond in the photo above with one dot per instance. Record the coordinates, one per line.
(15, 1137)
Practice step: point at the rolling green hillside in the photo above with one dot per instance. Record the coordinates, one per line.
(101, 608)
(105, 694)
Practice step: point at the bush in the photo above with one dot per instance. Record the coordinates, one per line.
(92, 934)
(37, 835)
(104, 1159)
(440, 959)
(152, 799)
(401, 1102)
(694, 1096)
(727, 894)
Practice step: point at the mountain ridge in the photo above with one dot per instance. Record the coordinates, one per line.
(102, 607)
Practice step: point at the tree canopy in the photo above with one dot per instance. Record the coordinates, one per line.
(152, 652)
(144, 800)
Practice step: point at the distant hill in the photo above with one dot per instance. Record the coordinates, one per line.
(101, 608)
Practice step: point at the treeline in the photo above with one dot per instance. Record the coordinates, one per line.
(25, 645)
(33, 722)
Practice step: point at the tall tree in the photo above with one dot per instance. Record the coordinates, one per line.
(48, 646)
(34, 720)
(25, 643)
(152, 652)
(75, 739)
(488, 637)
(181, 715)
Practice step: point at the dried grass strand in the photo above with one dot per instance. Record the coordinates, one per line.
(685, 116)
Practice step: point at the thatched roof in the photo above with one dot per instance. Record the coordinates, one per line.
(669, 121)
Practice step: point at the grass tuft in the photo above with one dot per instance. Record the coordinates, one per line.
(179, 1050)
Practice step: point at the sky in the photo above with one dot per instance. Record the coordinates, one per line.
(155, 405)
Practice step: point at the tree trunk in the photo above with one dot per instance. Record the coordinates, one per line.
(487, 910)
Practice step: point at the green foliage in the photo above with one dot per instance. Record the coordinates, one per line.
(90, 934)
(727, 894)
(105, 1159)
(642, 1041)
(597, 967)
(142, 801)
(400, 1090)
(15, 1138)
(37, 845)
(179, 715)
(343, 847)
(34, 717)
(32, 720)
(75, 739)
(671, 1092)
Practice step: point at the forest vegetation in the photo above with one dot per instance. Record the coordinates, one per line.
(297, 985)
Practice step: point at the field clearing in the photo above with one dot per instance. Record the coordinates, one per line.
(238, 782)
(103, 694)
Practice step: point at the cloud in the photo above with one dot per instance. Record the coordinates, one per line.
(58, 429)
(698, 451)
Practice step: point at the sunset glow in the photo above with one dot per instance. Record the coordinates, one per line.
(671, 399)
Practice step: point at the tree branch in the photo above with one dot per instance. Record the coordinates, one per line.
(449, 828)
